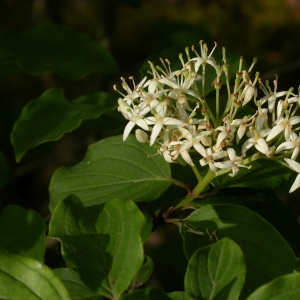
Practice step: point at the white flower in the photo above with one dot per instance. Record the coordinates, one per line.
(134, 115)
(226, 131)
(249, 90)
(231, 163)
(283, 124)
(270, 95)
(159, 120)
(204, 58)
(210, 158)
(192, 140)
(293, 143)
(296, 167)
(256, 139)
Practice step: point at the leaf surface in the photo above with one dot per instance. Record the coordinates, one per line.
(102, 242)
(54, 48)
(216, 272)
(25, 278)
(22, 232)
(113, 169)
(284, 287)
(266, 253)
(50, 116)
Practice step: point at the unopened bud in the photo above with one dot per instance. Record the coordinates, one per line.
(141, 136)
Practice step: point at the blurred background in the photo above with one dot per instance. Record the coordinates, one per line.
(132, 30)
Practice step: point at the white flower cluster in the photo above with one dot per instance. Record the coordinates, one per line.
(172, 107)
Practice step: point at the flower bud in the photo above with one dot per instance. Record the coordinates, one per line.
(141, 136)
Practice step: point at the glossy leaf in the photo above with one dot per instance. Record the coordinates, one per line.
(216, 272)
(113, 169)
(147, 294)
(143, 274)
(75, 286)
(22, 232)
(282, 288)
(25, 278)
(266, 253)
(54, 48)
(50, 116)
(102, 242)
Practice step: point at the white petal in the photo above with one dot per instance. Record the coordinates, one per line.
(275, 131)
(155, 132)
(296, 184)
(231, 154)
(200, 149)
(172, 121)
(293, 164)
(295, 153)
(127, 129)
(224, 164)
(271, 103)
(285, 146)
(262, 146)
(185, 155)
(220, 139)
(294, 120)
(142, 123)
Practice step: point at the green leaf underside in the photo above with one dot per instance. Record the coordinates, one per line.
(113, 169)
(147, 294)
(216, 272)
(266, 253)
(25, 278)
(75, 286)
(282, 288)
(22, 232)
(143, 274)
(50, 116)
(54, 48)
(104, 245)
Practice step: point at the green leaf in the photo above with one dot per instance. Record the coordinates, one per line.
(75, 286)
(113, 169)
(143, 274)
(282, 288)
(104, 245)
(178, 296)
(264, 175)
(266, 253)
(22, 232)
(25, 278)
(267, 205)
(147, 294)
(216, 272)
(50, 116)
(6, 175)
(54, 48)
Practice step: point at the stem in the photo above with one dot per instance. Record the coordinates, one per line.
(203, 80)
(197, 173)
(217, 106)
(199, 188)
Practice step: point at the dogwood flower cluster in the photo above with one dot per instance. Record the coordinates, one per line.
(176, 111)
